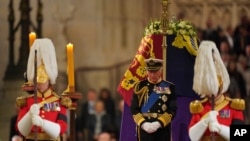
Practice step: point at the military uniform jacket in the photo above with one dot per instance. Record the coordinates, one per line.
(53, 108)
(230, 111)
(153, 102)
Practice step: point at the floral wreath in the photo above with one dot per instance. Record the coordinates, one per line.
(186, 35)
(174, 27)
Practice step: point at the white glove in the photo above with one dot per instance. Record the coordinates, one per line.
(25, 124)
(37, 120)
(212, 116)
(147, 126)
(51, 128)
(198, 129)
(225, 132)
(35, 109)
(155, 125)
(214, 126)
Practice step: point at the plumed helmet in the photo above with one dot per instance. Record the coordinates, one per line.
(210, 73)
(46, 61)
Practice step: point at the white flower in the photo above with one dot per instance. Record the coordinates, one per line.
(188, 26)
(182, 24)
(153, 28)
(182, 31)
(174, 27)
(169, 31)
(181, 27)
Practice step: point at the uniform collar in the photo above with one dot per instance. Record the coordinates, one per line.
(45, 94)
(220, 99)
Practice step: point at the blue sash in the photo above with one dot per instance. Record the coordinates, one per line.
(152, 99)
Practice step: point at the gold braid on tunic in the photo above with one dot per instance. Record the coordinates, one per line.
(142, 93)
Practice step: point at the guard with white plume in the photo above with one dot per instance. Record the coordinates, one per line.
(214, 112)
(42, 115)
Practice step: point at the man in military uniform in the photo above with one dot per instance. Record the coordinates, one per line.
(212, 115)
(153, 104)
(42, 117)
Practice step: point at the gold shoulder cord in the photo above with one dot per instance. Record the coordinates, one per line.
(142, 93)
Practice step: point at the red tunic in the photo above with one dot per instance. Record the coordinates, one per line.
(51, 110)
(227, 114)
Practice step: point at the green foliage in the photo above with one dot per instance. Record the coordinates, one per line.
(174, 27)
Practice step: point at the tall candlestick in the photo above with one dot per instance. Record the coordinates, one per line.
(32, 37)
(70, 56)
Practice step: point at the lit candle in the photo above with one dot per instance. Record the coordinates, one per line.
(70, 56)
(32, 37)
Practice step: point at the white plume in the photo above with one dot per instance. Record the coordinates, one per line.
(46, 55)
(208, 66)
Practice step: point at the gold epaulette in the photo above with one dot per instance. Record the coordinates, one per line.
(237, 103)
(196, 106)
(21, 100)
(65, 101)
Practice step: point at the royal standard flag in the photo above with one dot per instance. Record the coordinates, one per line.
(150, 46)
